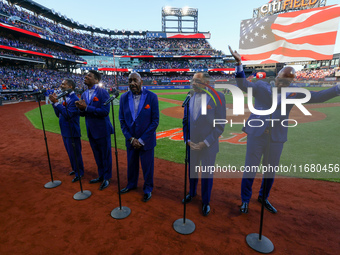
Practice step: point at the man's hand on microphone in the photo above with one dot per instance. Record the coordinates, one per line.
(81, 105)
(53, 98)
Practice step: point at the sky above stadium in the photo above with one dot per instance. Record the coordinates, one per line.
(221, 18)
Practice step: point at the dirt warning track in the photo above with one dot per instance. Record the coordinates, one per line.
(35, 220)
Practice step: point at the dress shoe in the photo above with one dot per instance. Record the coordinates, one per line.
(75, 179)
(188, 199)
(71, 173)
(126, 190)
(205, 209)
(267, 205)
(244, 207)
(99, 179)
(104, 184)
(147, 197)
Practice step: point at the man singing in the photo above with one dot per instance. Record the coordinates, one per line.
(68, 115)
(98, 125)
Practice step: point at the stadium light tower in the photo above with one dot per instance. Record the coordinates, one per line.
(179, 15)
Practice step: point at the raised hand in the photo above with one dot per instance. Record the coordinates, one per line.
(236, 56)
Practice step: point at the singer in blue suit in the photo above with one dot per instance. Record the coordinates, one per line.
(98, 125)
(139, 118)
(69, 126)
(202, 137)
(257, 136)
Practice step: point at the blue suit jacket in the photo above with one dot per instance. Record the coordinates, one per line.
(263, 100)
(97, 118)
(143, 125)
(72, 115)
(201, 128)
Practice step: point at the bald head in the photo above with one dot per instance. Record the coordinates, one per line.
(285, 77)
(287, 72)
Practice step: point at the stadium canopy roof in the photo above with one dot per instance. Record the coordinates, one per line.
(62, 19)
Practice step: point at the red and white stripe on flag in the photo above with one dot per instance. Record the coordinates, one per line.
(294, 36)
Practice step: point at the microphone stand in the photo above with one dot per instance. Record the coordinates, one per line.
(81, 195)
(52, 183)
(120, 212)
(185, 226)
(258, 242)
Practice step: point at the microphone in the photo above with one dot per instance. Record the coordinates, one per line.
(64, 93)
(187, 99)
(38, 92)
(115, 93)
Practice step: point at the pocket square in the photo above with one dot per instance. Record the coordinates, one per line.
(209, 107)
(147, 106)
(95, 99)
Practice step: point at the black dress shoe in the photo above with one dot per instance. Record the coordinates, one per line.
(71, 173)
(75, 179)
(244, 207)
(99, 179)
(126, 190)
(205, 209)
(104, 184)
(267, 205)
(147, 197)
(188, 199)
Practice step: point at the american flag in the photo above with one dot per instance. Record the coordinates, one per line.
(294, 36)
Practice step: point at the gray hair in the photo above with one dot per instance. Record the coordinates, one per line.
(136, 74)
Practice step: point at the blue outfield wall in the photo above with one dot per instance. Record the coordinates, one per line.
(158, 87)
(297, 84)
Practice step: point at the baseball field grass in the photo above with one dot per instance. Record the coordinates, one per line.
(311, 151)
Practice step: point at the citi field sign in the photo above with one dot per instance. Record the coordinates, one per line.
(275, 6)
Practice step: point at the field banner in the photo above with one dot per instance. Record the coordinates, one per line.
(294, 36)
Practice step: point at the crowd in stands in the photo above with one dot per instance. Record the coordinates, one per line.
(148, 46)
(18, 54)
(136, 45)
(33, 45)
(170, 78)
(166, 64)
(38, 24)
(193, 64)
(32, 78)
(315, 75)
